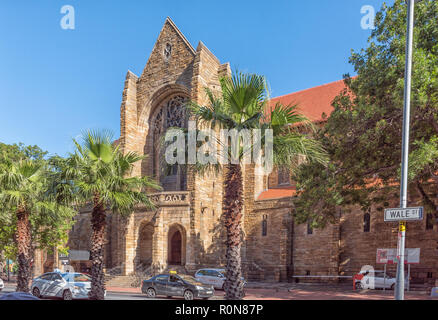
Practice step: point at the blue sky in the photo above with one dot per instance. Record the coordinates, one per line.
(55, 83)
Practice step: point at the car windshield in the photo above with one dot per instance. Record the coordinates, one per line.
(189, 279)
(76, 277)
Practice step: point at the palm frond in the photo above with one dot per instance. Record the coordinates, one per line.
(291, 149)
(98, 144)
(283, 118)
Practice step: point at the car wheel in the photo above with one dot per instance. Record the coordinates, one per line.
(223, 287)
(66, 295)
(36, 292)
(393, 286)
(359, 286)
(151, 293)
(188, 295)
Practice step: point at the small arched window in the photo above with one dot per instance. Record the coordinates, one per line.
(309, 228)
(367, 222)
(265, 226)
(283, 176)
(429, 221)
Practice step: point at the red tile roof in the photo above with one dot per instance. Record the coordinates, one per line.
(277, 193)
(313, 102)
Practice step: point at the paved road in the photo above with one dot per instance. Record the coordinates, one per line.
(109, 296)
(300, 292)
(7, 289)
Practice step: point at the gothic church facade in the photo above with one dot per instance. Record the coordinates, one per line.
(185, 230)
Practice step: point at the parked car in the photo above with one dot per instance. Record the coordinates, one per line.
(214, 277)
(363, 280)
(176, 285)
(67, 286)
(18, 296)
(2, 285)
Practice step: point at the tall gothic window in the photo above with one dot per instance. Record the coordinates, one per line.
(367, 222)
(171, 114)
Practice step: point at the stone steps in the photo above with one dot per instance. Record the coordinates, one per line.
(119, 281)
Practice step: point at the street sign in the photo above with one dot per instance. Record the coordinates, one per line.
(408, 214)
(79, 255)
(62, 256)
(389, 256)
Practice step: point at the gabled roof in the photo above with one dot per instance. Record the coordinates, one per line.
(180, 34)
(169, 30)
(313, 102)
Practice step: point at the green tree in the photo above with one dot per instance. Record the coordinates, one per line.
(363, 134)
(11, 153)
(100, 175)
(242, 105)
(16, 152)
(26, 206)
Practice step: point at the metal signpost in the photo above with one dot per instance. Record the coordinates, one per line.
(9, 279)
(400, 284)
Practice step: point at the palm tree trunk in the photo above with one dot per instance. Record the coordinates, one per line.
(98, 224)
(233, 214)
(23, 237)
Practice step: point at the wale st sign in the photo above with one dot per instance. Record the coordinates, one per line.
(407, 214)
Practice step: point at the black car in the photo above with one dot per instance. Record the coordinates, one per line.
(176, 285)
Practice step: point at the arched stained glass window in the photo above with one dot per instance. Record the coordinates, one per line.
(171, 114)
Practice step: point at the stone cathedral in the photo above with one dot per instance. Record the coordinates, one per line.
(185, 231)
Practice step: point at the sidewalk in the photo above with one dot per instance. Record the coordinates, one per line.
(288, 291)
(123, 290)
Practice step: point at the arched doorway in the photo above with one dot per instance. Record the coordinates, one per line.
(175, 252)
(144, 246)
(176, 246)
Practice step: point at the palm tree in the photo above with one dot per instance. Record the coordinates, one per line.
(98, 173)
(24, 202)
(242, 105)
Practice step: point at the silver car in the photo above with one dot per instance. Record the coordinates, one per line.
(2, 285)
(67, 286)
(214, 277)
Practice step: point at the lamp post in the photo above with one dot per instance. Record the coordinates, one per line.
(400, 282)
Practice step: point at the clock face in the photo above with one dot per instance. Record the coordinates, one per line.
(167, 51)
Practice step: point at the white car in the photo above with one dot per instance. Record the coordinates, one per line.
(214, 277)
(2, 285)
(67, 286)
(379, 279)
